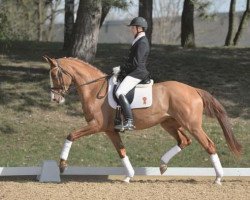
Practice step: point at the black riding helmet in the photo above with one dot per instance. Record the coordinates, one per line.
(139, 21)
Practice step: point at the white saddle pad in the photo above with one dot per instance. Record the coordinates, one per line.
(142, 97)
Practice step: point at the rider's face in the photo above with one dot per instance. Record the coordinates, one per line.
(136, 29)
(133, 30)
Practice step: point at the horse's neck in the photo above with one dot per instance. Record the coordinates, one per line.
(88, 97)
(88, 92)
(84, 73)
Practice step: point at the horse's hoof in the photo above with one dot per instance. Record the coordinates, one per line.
(217, 181)
(163, 168)
(127, 179)
(63, 165)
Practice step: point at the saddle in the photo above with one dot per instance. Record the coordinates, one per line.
(138, 97)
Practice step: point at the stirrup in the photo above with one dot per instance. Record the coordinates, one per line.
(129, 125)
(119, 128)
(126, 126)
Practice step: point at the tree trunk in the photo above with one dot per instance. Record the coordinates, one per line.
(145, 11)
(231, 22)
(51, 21)
(68, 23)
(187, 25)
(87, 29)
(105, 11)
(40, 20)
(243, 24)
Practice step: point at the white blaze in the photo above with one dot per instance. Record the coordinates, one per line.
(52, 95)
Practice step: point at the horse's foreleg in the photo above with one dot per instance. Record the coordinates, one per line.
(64, 155)
(87, 130)
(116, 140)
(177, 132)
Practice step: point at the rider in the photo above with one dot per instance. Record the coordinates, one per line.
(134, 69)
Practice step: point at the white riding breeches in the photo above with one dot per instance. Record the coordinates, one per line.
(126, 85)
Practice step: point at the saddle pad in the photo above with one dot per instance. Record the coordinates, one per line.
(142, 97)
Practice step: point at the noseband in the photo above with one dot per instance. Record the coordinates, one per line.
(64, 89)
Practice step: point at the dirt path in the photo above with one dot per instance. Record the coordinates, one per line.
(110, 188)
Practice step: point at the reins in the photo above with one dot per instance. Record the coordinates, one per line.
(66, 91)
(94, 81)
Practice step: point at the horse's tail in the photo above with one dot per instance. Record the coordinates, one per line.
(213, 108)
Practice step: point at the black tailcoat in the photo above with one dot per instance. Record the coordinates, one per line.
(135, 64)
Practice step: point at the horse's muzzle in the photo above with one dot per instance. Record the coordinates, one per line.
(57, 98)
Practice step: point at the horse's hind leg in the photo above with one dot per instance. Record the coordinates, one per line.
(174, 128)
(116, 140)
(209, 146)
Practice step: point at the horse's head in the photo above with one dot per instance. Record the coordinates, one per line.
(60, 80)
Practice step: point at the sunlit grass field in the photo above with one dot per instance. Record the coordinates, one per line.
(33, 129)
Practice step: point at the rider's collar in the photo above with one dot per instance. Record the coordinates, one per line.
(141, 34)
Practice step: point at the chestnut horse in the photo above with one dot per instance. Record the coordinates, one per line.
(176, 107)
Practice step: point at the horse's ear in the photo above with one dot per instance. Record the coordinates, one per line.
(49, 60)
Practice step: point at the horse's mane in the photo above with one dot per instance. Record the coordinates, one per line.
(94, 69)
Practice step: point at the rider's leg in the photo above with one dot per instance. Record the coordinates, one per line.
(126, 85)
(127, 113)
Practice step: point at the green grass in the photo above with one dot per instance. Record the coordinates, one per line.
(33, 129)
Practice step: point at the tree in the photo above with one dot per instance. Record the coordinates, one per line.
(108, 4)
(231, 24)
(29, 19)
(87, 29)
(166, 15)
(45, 12)
(187, 24)
(243, 23)
(231, 39)
(145, 11)
(3, 25)
(40, 18)
(68, 23)
(52, 11)
(105, 10)
(17, 15)
(90, 16)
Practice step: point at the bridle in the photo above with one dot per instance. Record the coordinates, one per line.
(65, 89)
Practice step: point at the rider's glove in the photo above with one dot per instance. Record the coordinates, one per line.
(116, 70)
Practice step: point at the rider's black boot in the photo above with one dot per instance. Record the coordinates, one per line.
(127, 113)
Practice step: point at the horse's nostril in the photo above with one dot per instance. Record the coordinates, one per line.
(53, 99)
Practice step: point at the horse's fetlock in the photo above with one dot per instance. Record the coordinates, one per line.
(184, 143)
(63, 165)
(189, 141)
(210, 149)
(70, 137)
